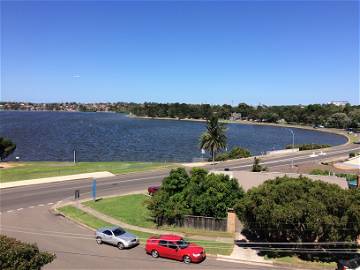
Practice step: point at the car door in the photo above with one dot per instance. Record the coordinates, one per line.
(107, 237)
(162, 248)
(173, 251)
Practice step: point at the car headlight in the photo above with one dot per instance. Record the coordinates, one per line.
(196, 254)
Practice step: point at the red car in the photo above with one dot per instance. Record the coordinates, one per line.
(153, 189)
(174, 247)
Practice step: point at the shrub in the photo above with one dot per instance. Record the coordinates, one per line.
(301, 210)
(311, 146)
(17, 255)
(235, 153)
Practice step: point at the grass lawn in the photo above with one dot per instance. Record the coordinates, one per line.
(129, 209)
(72, 212)
(40, 169)
(296, 261)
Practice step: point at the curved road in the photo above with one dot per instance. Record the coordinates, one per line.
(25, 215)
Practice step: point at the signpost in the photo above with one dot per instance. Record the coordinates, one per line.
(94, 189)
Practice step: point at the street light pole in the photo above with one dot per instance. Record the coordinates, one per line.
(293, 145)
(74, 156)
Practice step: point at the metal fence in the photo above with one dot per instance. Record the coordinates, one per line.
(205, 223)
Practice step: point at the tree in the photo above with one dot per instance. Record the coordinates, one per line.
(214, 139)
(257, 167)
(300, 210)
(338, 120)
(211, 194)
(7, 147)
(355, 118)
(17, 255)
(201, 194)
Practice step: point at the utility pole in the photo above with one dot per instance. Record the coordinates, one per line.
(293, 145)
(74, 156)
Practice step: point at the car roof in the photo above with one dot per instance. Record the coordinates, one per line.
(172, 237)
(108, 228)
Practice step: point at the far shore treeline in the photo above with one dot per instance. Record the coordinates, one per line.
(327, 115)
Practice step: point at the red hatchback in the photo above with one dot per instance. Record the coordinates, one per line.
(174, 247)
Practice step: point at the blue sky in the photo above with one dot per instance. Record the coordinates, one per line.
(215, 52)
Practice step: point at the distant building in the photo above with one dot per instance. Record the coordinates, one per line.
(235, 116)
(338, 103)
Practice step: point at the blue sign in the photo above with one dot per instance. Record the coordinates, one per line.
(94, 189)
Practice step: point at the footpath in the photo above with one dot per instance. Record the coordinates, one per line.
(55, 179)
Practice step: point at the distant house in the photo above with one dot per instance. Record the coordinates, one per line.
(338, 103)
(235, 116)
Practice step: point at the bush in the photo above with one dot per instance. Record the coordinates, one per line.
(235, 153)
(301, 210)
(311, 146)
(201, 194)
(17, 255)
(257, 167)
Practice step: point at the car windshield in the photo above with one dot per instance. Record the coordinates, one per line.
(118, 231)
(182, 244)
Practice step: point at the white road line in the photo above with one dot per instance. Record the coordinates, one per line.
(40, 204)
(19, 209)
(50, 203)
(9, 211)
(59, 201)
(31, 206)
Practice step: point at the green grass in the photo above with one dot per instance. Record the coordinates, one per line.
(41, 169)
(129, 209)
(74, 213)
(293, 260)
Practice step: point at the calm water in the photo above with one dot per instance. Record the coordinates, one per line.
(111, 136)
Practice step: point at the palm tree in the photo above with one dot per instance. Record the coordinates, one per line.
(214, 139)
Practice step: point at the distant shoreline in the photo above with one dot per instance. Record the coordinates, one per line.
(243, 122)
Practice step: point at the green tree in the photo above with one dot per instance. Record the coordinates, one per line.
(214, 139)
(7, 147)
(21, 256)
(200, 194)
(355, 118)
(338, 120)
(300, 210)
(211, 194)
(257, 167)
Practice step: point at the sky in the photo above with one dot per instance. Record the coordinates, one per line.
(284, 52)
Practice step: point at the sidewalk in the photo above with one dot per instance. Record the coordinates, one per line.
(55, 179)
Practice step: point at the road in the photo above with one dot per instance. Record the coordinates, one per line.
(25, 215)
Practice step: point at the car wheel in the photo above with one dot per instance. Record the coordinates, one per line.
(187, 259)
(99, 240)
(120, 246)
(154, 254)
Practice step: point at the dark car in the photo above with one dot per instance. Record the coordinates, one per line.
(153, 189)
(353, 264)
(174, 247)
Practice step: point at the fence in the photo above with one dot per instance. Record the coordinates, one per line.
(205, 223)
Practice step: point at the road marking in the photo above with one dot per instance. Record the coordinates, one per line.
(19, 209)
(9, 211)
(59, 201)
(40, 204)
(50, 203)
(31, 206)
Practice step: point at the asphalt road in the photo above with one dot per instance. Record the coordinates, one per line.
(25, 215)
